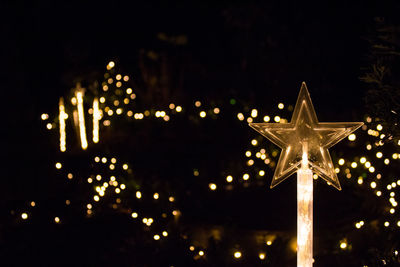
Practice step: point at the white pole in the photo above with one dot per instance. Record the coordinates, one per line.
(304, 214)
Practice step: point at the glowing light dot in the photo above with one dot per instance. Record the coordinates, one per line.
(90, 180)
(261, 173)
(201, 253)
(191, 248)
(122, 186)
(156, 196)
(386, 224)
(171, 199)
(203, 114)
(104, 160)
(267, 118)
(58, 165)
(254, 113)
(57, 220)
(341, 161)
(212, 186)
(248, 154)
(249, 119)
(354, 164)
(24, 216)
(134, 215)
(246, 177)
(138, 194)
(117, 190)
(240, 116)
(269, 243)
(392, 210)
(386, 161)
(237, 254)
(216, 110)
(96, 198)
(33, 204)
(379, 127)
(360, 180)
(379, 155)
(178, 109)
(367, 164)
(352, 137)
(343, 245)
(373, 185)
(44, 116)
(371, 169)
(111, 65)
(378, 193)
(156, 237)
(363, 160)
(398, 223)
(277, 119)
(125, 166)
(98, 177)
(281, 105)
(369, 147)
(261, 256)
(229, 178)
(165, 233)
(395, 156)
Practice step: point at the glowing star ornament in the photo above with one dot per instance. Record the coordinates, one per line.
(305, 143)
(304, 134)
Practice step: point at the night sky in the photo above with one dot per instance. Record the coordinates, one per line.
(259, 51)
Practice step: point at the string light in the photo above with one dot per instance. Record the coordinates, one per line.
(81, 117)
(96, 119)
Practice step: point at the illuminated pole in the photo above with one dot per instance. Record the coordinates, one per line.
(81, 118)
(62, 117)
(304, 213)
(96, 118)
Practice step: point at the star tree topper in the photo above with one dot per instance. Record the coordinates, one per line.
(304, 134)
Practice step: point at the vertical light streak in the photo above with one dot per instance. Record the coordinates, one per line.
(96, 118)
(81, 119)
(304, 218)
(62, 117)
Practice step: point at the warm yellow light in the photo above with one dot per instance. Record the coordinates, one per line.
(138, 194)
(254, 142)
(371, 169)
(261, 255)
(96, 198)
(165, 233)
(171, 199)
(134, 215)
(254, 113)
(246, 176)
(117, 190)
(378, 193)
(96, 119)
(216, 110)
(341, 161)
(367, 164)
(81, 118)
(57, 220)
(354, 164)
(248, 154)
(191, 248)
(373, 185)
(33, 204)
(281, 105)
(58, 165)
(267, 118)
(360, 180)
(229, 178)
(201, 253)
(24, 216)
(44, 116)
(212, 186)
(343, 245)
(352, 137)
(379, 127)
(386, 224)
(125, 166)
(90, 180)
(62, 117)
(379, 155)
(202, 114)
(269, 243)
(178, 109)
(277, 118)
(110, 65)
(392, 210)
(156, 196)
(156, 237)
(363, 160)
(98, 177)
(237, 254)
(261, 173)
(240, 116)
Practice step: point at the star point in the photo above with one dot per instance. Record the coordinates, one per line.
(306, 137)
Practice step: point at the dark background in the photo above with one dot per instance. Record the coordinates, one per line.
(259, 51)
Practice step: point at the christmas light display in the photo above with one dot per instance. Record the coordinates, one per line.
(305, 142)
(120, 101)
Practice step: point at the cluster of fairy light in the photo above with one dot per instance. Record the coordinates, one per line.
(115, 99)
